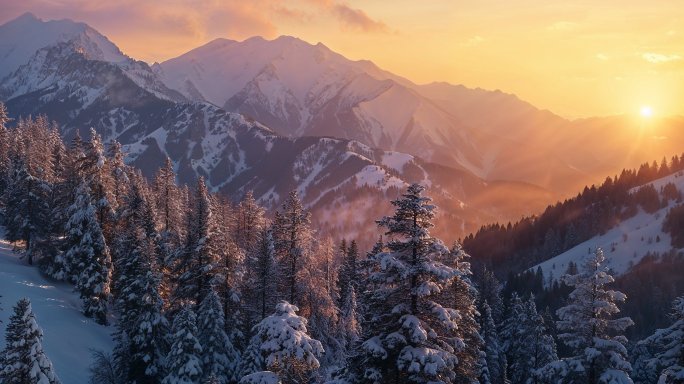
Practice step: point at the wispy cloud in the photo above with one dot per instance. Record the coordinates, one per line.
(659, 58)
(602, 56)
(358, 19)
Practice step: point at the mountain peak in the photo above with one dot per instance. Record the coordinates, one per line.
(27, 16)
(22, 37)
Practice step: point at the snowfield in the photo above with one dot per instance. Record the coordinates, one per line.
(624, 245)
(68, 336)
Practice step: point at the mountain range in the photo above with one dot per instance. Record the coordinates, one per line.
(283, 114)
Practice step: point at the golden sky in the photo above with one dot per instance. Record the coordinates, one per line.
(574, 57)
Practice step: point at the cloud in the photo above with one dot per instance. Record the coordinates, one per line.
(602, 56)
(659, 58)
(356, 19)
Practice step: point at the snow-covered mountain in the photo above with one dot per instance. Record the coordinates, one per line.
(301, 89)
(625, 244)
(125, 100)
(23, 36)
(69, 338)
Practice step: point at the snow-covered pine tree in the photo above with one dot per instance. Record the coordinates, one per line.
(409, 337)
(23, 359)
(493, 349)
(348, 272)
(588, 328)
(292, 236)
(252, 360)
(462, 295)
(350, 319)
(229, 272)
(88, 257)
(30, 185)
(318, 305)
(529, 346)
(94, 168)
(118, 173)
(196, 267)
(286, 346)
(489, 290)
(249, 222)
(510, 333)
(667, 345)
(184, 363)
(58, 201)
(326, 253)
(169, 209)
(141, 346)
(260, 282)
(26, 206)
(219, 358)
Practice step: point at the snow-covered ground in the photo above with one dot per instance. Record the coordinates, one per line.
(68, 335)
(624, 245)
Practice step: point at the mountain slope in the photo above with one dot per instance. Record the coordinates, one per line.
(68, 335)
(126, 101)
(625, 244)
(300, 89)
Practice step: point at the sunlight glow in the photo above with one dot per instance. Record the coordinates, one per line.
(646, 111)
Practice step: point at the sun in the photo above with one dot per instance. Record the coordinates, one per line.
(646, 111)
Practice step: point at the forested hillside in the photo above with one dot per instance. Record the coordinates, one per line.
(196, 289)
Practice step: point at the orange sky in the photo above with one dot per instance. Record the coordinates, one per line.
(576, 58)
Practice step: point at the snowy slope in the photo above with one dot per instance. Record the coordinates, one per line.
(624, 245)
(68, 335)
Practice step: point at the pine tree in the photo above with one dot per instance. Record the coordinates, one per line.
(347, 273)
(489, 290)
(88, 257)
(350, 319)
(94, 168)
(26, 206)
(285, 345)
(528, 345)
(168, 206)
(462, 295)
(249, 222)
(261, 275)
(667, 348)
(219, 358)
(198, 261)
(410, 336)
(493, 349)
(512, 345)
(229, 272)
(141, 346)
(292, 237)
(589, 330)
(23, 359)
(183, 363)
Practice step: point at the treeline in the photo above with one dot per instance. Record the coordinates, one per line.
(515, 247)
(201, 290)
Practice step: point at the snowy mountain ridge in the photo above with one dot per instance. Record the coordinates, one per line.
(625, 244)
